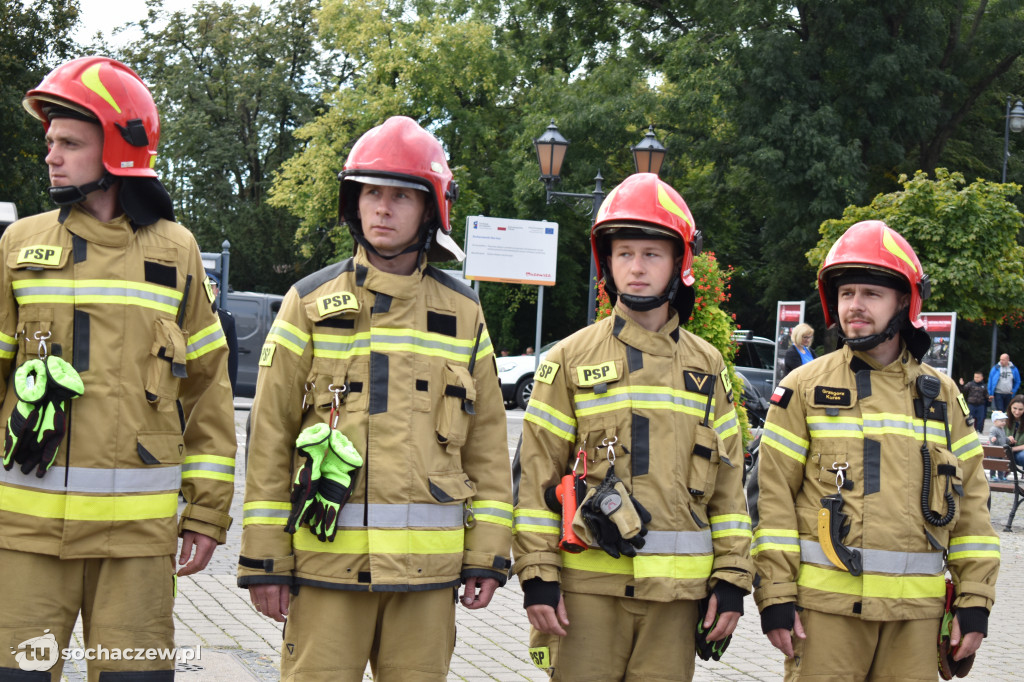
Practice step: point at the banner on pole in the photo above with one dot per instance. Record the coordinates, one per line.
(789, 314)
(941, 327)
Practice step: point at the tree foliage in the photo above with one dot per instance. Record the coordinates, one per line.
(232, 84)
(34, 38)
(964, 235)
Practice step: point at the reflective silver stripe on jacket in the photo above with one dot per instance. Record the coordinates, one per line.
(881, 560)
(677, 542)
(81, 290)
(630, 394)
(265, 513)
(527, 520)
(106, 481)
(401, 516)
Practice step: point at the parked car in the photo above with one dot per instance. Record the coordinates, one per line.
(515, 372)
(755, 360)
(254, 313)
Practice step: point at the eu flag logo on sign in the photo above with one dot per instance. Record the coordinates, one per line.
(549, 230)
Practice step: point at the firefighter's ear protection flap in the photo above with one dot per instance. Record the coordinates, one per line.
(145, 201)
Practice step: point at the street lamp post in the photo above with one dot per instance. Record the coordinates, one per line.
(1014, 124)
(648, 156)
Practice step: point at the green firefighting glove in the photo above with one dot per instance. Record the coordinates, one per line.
(311, 445)
(29, 387)
(339, 468)
(63, 385)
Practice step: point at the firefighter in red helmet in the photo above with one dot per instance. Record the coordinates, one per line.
(870, 488)
(378, 475)
(104, 320)
(634, 417)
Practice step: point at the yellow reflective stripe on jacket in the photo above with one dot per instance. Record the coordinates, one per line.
(875, 424)
(485, 346)
(114, 292)
(383, 541)
(88, 507)
(537, 521)
(779, 539)
(967, 447)
(266, 513)
(641, 566)
(209, 466)
(384, 339)
(289, 336)
(730, 525)
(550, 419)
(973, 546)
(492, 511)
(97, 481)
(8, 346)
(642, 397)
(785, 442)
(203, 342)
(728, 424)
(870, 585)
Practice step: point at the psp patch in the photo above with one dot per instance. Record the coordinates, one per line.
(781, 396)
(40, 255)
(727, 384)
(827, 395)
(546, 372)
(963, 404)
(596, 374)
(541, 656)
(267, 354)
(336, 303)
(208, 286)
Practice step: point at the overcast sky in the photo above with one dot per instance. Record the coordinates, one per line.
(105, 15)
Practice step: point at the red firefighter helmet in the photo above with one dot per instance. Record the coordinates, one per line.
(873, 245)
(114, 95)
(400, 152)
(645, 202)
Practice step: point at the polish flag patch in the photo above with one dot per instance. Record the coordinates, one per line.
(781, 396)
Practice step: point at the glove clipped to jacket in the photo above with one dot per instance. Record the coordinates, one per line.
(612, 519)
(38, 423)
(324, 481)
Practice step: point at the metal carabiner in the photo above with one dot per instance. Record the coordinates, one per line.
(339, 397)
(611, 451)
(307, 397)
(581, 456)
(840, 472)
(41, 338)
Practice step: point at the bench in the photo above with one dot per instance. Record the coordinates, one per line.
(996, 459)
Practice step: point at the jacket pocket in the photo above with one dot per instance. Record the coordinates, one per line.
(166, 362)
(452, 419)
(704, 462)
(35, 335)
(450, 486)
(946, 478)
(160, 448)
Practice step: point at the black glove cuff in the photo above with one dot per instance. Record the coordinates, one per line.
(778, 616)
(730, 597)
(973, 619)
(537, 591)
(467, 573)
(332, 491)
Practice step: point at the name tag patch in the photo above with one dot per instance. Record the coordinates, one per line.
(546, 372)
(596, 374)
(826, 395)
(335, 303)
(40, 255)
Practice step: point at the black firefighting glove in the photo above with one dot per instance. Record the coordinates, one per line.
(730, 598)
(29, 387)
(339, 468)
(63, 385)
(612, 519)
(311, 446)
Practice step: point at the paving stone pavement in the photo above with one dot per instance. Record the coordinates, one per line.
(237, 643)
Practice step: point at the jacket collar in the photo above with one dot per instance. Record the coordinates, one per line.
(118, 232)
(396, 286)
(661, 342)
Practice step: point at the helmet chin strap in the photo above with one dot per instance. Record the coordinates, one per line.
(73, 194)
(423, 244)
(869, 342)
(642, 304)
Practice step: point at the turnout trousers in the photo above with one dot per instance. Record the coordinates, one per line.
(332, 634)
(844, 649)
(620, 638)
(125, 603)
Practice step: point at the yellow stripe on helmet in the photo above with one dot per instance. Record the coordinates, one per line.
(91, 79)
